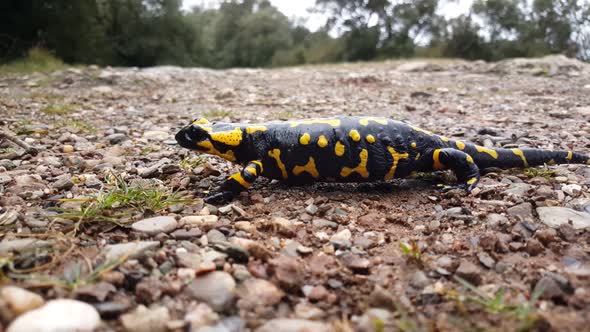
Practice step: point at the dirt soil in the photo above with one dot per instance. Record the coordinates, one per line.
(512, 255)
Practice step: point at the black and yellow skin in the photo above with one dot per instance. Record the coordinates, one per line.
(349, 149)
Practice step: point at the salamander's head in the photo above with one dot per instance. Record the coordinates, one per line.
(221, 139)
(195, 136)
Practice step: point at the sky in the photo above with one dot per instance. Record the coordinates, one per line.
(299, 9)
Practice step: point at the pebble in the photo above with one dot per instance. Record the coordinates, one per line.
(67, 148)
(143, 319)
(258, 293)
(534, 247)
(323, 223)
(356, 263)
(369, 219)
(308, 311)
(311, 209)
(19, 245)
(292, 325)
(572, 189)
(117, 138)
(486, 260)
(200, 316)
(419, 280)
(374, 320)
(63, 183)
(556, 216)
(523, 211)
(494, 220)
(288, 271)
(283, 226)
(216, 289)
(58, 316)
(115, 252)
(155, 225)
(469, 272)
(205, 222)
(19, 300)
(342, 239)
(547, 236)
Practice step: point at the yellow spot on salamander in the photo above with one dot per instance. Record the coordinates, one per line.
(304, 139)
(229, 155)
(588, 161)
(339, 149)
(365, 121)
(371, 139)
(331, 122)
(361, 169)
(200, 121)
(252, 130)
(570, 155)
(322, 141)
(470, 159)
(396, 158)
(309, 168)
(551, 162)
(436, 157)
(230, 137)
(471, 181)
(444, 138)
(491, 152)
(460, 145)
(417, 156)
(240, 179)
(252, 170)
(414, 145)
(259, 164)
(276, 154)
(519, 153)
(422, 130)
(354, 134)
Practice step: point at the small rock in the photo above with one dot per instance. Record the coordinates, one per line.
(566, 231)
(375, 320)
(572, 189)
(311, 209)
(255, 293)
(288, 271)
(369, 219)
(469, 272)
(20, 245)
(206, 222)
(307, 311)
(155, 225)
(342, 239)
(115, 252)
(534, 247)
(549, 289)
(216, 289)
(117, 138)
(200, 316)
(547, 236)
(156, 135)
(63, 183)
(19, 300)
(324, 223)
(356, 263)
(58, 316)
(523, 211)
(67, 148)
(292, 325)
(486, 260)
(419, 280)
(556, 216)
(283, 226)
(445, 265)
(143, 319)
(494, 220)
(95, 292)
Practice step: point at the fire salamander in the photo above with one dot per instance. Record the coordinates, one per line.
(349, 149)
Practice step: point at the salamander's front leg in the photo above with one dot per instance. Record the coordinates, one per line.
(236, 183)
(460, 163)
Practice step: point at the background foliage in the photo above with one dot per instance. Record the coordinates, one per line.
(253, 33)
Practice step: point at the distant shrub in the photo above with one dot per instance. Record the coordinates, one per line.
(37, 60)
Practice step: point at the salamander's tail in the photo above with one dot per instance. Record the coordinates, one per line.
(519, 158)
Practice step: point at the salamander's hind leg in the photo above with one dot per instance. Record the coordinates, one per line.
(460, 163)
(236, 183)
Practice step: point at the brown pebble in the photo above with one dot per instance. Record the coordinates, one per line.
(534, 247)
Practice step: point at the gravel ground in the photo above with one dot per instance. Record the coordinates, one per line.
(105, 227)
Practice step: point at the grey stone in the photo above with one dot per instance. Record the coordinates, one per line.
(155, 225)
(342, 239)
(523, 211)
(556, 216)
(216, 289)
(143, 319)
(19, 245)
(115, 252)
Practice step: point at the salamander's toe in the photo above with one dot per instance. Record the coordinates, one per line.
(218, 197)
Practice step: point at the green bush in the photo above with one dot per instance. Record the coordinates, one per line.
(37, 60)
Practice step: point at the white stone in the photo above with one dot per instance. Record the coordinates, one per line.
(155, 225)
(58, 316)
(20, 300)
(114, 252)
(556, 216)
(292, 325)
